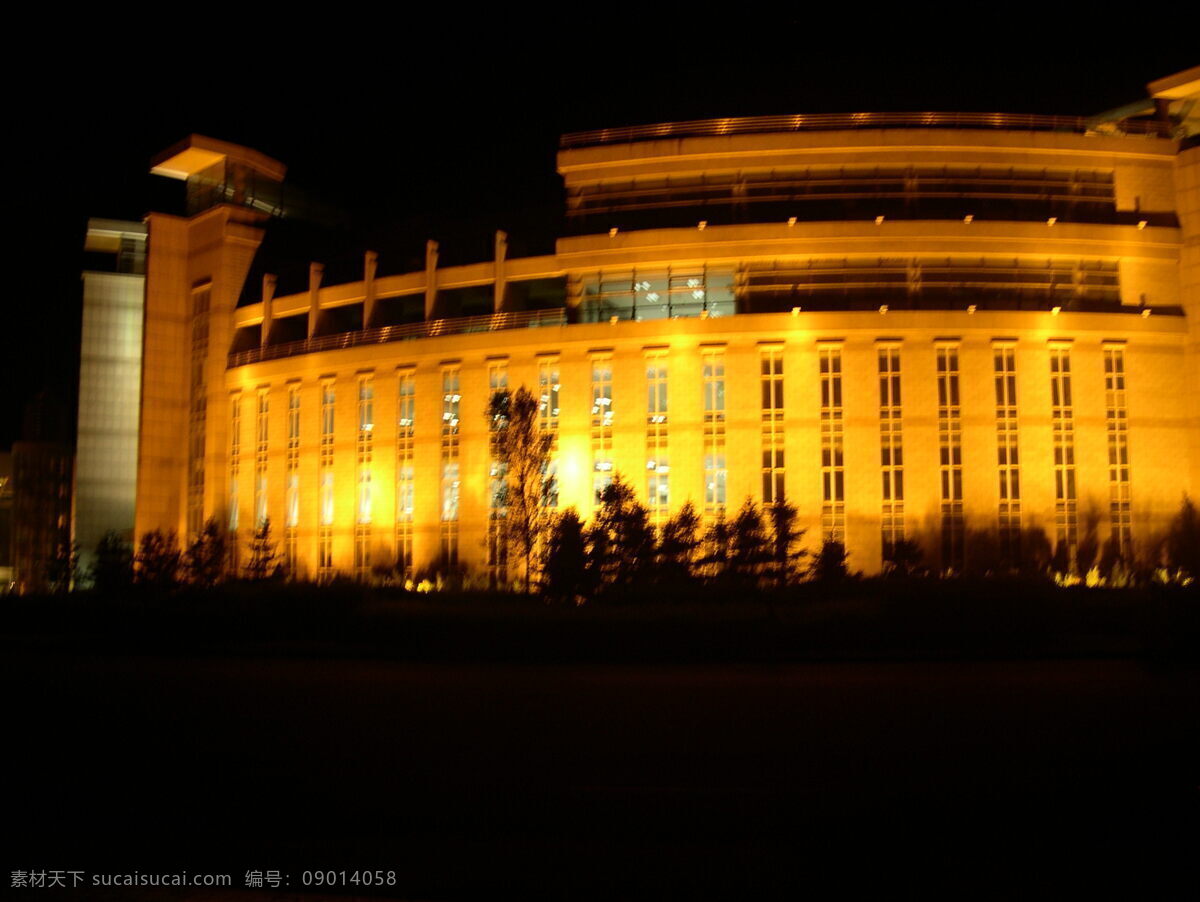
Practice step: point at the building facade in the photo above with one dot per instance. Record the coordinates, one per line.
(7, 572)
(41, 492)
(110, 381)
(963, 329)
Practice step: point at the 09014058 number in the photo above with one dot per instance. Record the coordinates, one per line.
(348, 878)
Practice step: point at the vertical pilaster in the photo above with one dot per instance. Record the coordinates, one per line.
(370, 264)
(501, 256)
(1187, 205)
(315, 273)
(269, 282)
(431, 262)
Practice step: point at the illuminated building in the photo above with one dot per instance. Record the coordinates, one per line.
(110, 376)
(7, 574)
(42, 462)
(939, 326)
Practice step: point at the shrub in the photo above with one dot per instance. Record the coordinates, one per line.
(112, 570)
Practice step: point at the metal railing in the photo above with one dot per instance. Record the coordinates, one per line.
(694, 128)
(491, 322)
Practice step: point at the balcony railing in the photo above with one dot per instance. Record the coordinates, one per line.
(954, 298)
(492, 322)
(694, 128)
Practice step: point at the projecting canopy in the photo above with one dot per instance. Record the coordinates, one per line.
(197, 153)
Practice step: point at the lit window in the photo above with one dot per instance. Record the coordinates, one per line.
(891, 449)
(293, 501)
(657, 468)
(293, 415)
(950, 459)
(771, 379)
(1062, 416)
(602, 425)
(1007, 451)
(713, 388)
(450, 490)
(366, 405)
(327, 498)
(833, 474)
(1117, 428)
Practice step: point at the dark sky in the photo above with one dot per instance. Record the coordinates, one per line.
(421, 131)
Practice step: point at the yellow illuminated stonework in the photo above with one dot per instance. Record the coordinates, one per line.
(874, 320)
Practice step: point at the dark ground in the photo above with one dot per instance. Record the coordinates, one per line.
(981, 777)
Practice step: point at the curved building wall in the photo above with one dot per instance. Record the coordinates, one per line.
(1153, 352)
(967, 381)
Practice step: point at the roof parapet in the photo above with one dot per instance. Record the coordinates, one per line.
(838, 121)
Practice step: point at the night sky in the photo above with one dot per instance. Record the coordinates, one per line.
(419, 132)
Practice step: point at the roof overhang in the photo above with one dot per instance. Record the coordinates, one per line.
(105, 235)
(197, 153)
(1179, 86)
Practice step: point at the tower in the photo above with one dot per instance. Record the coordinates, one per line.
(197, 265)
(110, 382)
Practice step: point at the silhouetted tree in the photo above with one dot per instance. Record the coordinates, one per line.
(677, 546)
(523, 450)
(714, 555)
(264, 557)
(1060, 562)
(61, 571)
(903, 558)
(1110, 557)
(156, 564)
(1183, 540)
(204, 561)
(443, 572)
(829, 564)
(401, 567)
(749, 548)
(786, 554)
(620, 539)
(1088, 548)
(1086, 553)
(383, 573)
(564, 559)
(1035, 551)
(1009, 547)
(112, 569)
(982, 553)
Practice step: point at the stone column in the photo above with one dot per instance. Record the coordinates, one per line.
(501, 256)
(370, 264)
(315, 272)
(431, 261)
(268, 301)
